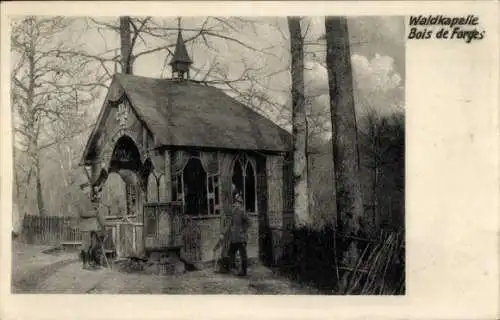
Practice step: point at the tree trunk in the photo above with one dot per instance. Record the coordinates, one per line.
(344, 132)
(39, 194)
(376, 174)
(299, 122)
(125, 45)
(17, 196)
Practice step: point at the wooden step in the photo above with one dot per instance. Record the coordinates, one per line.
(175, 249)
(71, 243)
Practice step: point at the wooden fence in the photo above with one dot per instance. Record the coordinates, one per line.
(51, 230)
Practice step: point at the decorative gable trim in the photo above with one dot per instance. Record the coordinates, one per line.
(115, 98)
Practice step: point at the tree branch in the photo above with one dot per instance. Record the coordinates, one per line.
(107, 25)
(154, 50)
(72, 135)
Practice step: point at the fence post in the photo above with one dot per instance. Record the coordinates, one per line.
(48, 229)
(51, 229)
(37, 230)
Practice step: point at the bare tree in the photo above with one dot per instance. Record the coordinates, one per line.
(46, 97)
(344, 132)
(126, 45)
(299, 123)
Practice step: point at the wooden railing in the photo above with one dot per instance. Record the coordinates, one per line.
(166, 227)
(124, 236)
(163, 225)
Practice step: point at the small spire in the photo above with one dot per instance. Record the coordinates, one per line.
(180, 61)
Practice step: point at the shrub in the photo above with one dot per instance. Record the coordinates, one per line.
(312, 258)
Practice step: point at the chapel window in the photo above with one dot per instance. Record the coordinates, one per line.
(244, 182)
(152, 188)
(250, 190)
(196, 183)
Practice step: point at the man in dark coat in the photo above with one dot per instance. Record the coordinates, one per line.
(91, 221)
(238, 234)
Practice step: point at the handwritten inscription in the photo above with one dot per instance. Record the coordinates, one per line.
(443, 27)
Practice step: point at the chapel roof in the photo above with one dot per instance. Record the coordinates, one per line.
(192, 114)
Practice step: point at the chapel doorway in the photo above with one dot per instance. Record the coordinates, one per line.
(126, 162)
(113, 197)
(123, 195)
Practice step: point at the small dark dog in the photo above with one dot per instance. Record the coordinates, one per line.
(85, 257)
(223, 265)
(92, 256)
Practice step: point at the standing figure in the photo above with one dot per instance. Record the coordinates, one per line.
(91, 222)
(237, 232)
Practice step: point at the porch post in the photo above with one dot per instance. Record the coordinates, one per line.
(139, 201)
(94, 168)
(95, 171)
(166, 187)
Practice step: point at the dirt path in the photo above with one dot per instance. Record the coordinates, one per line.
(36, 272)
(260, 281)
(30, 282)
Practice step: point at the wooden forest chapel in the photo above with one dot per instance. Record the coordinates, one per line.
(179, 147)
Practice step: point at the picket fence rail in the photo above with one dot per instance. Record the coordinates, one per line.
(48, 230)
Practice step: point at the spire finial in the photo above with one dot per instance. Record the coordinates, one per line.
(180, 61)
